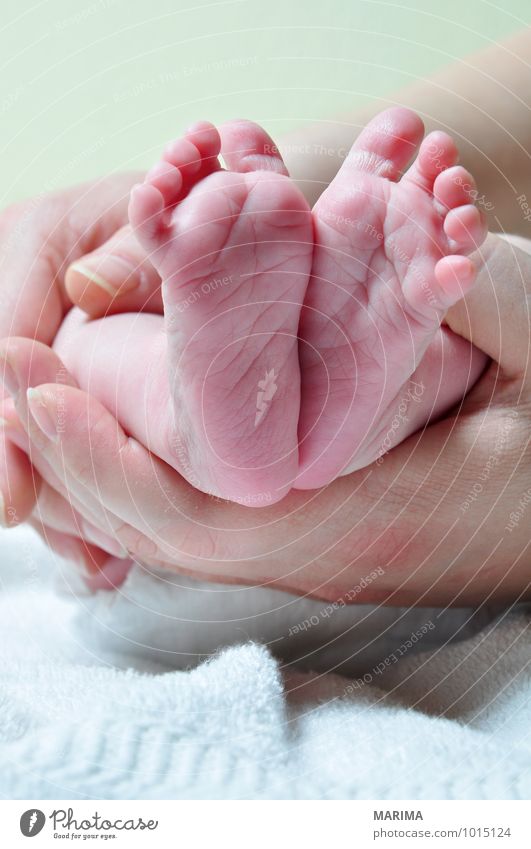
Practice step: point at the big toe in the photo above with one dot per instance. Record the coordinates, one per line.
(117, 277)
(245, 146)
(387, 144)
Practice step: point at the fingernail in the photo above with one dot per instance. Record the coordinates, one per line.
(9, 379)
(114, 274)
(37, 403)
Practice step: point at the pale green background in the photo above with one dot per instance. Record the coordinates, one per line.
(91, 87)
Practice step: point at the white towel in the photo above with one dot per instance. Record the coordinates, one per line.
(91, 705)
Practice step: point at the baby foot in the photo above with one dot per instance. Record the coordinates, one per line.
(389, 260)
(233, 249)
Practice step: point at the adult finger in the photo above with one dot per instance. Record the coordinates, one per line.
(95, 567)
(47, 477)
(55, 511)
(30, 363)
(39, 238)
(19, 484)
(164, 521)
(116, 277)
(134, 485)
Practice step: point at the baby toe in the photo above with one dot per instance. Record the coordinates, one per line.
(455, 187)
(146, 209)
(167, 179)
(437, 153)
(387, 144)
(455, 276)
(246, 147)
(205, 137)
(184, 155)
(465, 227)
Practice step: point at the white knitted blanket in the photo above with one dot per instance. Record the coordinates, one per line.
(94, 702)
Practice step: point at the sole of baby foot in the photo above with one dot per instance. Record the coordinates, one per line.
(390, 258)
(233, 249)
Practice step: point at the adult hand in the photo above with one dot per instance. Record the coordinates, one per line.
(39, 239)
(443, 516)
